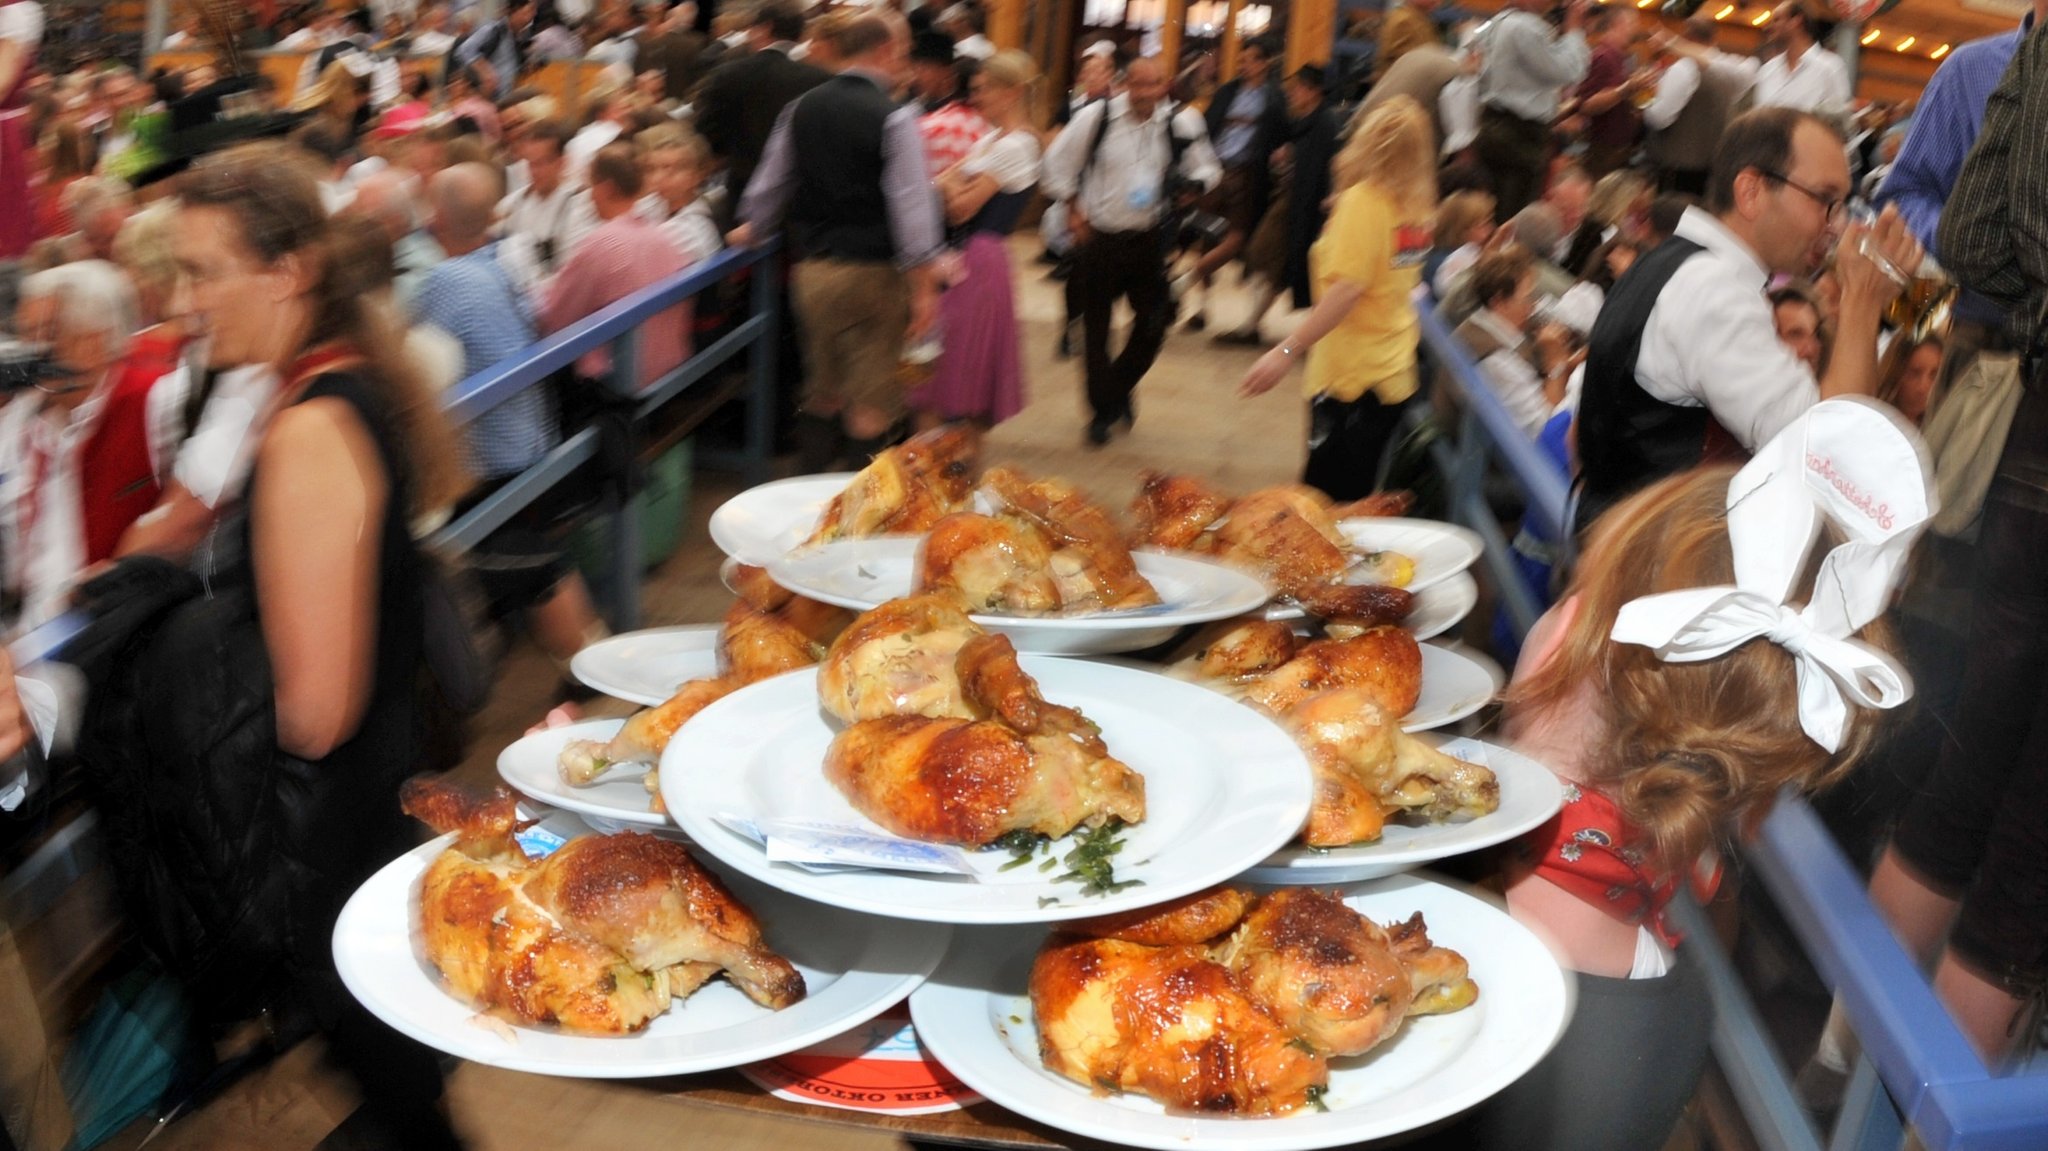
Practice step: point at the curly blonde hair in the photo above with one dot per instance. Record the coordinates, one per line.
(1689, 751)
(1393, 149)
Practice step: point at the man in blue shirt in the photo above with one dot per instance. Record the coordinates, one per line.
(496, 50)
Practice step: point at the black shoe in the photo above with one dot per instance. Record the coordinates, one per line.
(1098, 431)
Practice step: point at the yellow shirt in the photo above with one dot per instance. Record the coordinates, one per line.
(1373, 347)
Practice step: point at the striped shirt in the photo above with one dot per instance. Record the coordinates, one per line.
(1994, 232)
(472, 298)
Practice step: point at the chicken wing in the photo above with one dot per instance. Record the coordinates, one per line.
(1247, 649)
(1327, 973)
(1168, 1023)
(1345, 729)
(999, 564)
(1267, 532)
(1196, 918)
(1091, 565)
(905, 489)
(971, 782)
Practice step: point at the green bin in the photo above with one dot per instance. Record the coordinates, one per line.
(663, 506)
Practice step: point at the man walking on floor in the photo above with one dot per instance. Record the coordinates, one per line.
(1119, 164)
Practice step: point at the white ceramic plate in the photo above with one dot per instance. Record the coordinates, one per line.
(854, 967)
(1441, 607)
(1529, 795)
(1224, 788)
(646, 667)
(1440, 550)
(762, 523)
(618, 796)
(859, 574)
(1454, 685)
(974, 1016)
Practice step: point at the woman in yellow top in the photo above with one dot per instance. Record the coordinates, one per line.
(1360, 337)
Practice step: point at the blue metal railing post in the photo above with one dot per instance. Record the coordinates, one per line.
(622, 582)
(762, 367)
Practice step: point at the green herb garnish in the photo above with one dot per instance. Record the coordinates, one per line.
(1092, 861)
(1315, 1095)
(1021, 844)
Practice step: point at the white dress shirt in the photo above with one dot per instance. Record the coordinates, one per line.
(564, 218)
(1525, 64)
(1710, 340)
(1510, 375)
(1674, 91)
(1123, 187)
(1818, 83)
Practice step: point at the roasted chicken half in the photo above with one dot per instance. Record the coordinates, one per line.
(597, 938)
(1367, 769)
(1091, 564)
(951, 740)
(905, 489)
(1229, 1002)
(1000, 564)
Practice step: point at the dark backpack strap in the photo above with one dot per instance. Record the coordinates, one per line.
(1177, 146)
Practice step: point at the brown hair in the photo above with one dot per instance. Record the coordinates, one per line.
(1760, 139)
(275, 203)
(1498, 274)
(1459, 214)
(1688, 750)
(616, 164)
(1394, 150)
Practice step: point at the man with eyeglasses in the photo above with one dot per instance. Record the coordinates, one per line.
(1684, 365)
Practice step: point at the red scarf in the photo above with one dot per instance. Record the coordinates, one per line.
(1590, 850)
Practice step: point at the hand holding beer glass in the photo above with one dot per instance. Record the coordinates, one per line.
(1918, 295)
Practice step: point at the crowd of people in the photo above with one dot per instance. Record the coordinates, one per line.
(234, 309)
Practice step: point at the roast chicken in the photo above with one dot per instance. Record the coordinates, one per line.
(998, 564)
(767, 632)
(597, 938)
(905, 489)
(949, 738)
(1342, 700)
(1092, 567)
(1234, 1003)
(1289, 536)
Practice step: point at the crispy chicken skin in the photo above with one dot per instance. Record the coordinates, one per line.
(1344, 809)
(1267, 532)
(1327, 973)
(1196, 918)
(970, 782)
(1000, 564)
(1246, 649)
(597, 938)
(1091, 565)
(898, 658)
(647, 899)
(1165, 1022)
(1363, 759)
(907, 488)
(1229, 1002)
(1173, 510)
(1385, 662)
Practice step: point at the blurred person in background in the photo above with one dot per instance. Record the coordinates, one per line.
(1360, 338)
(1912, 375)
(1526, 371)
(82, 453)
(1407, 26)
(1525, 63)
(1799, 325)
(951, 122)
(498, 48)
(979, 374)
(1298, 208)
(1247, 122)
(1618, 206)
(744, 96)
(1464, 227)
(675, 162)
(1690, 111)
(1605, 97)
(66, 159)
(551, 213)
(622, 255)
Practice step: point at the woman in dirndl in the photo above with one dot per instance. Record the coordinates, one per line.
(21, 33)
(979, 374)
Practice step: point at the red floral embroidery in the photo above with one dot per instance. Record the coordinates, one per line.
(1589, 850)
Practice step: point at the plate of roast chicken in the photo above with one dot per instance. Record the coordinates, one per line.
(1250, 1019)
(541, 946)
(858, 782)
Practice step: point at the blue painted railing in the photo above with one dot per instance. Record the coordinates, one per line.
(1918, 1074)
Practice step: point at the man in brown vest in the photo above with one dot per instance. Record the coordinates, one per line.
(1693, 105)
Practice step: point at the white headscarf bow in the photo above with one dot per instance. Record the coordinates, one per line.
(1851, 462)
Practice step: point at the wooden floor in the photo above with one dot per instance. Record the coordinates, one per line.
(1189, 418)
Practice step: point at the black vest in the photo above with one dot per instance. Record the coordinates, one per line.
(836, 209)
(1628, 438)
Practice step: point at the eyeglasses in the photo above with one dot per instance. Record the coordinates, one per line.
(1837, 206)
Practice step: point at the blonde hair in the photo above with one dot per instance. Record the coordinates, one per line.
(1614, 195)
(335, 82)
(1689, 750)
(1459, 213)
(1393, 149)
(1010, 69)
(670, 136)
(143, 249)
